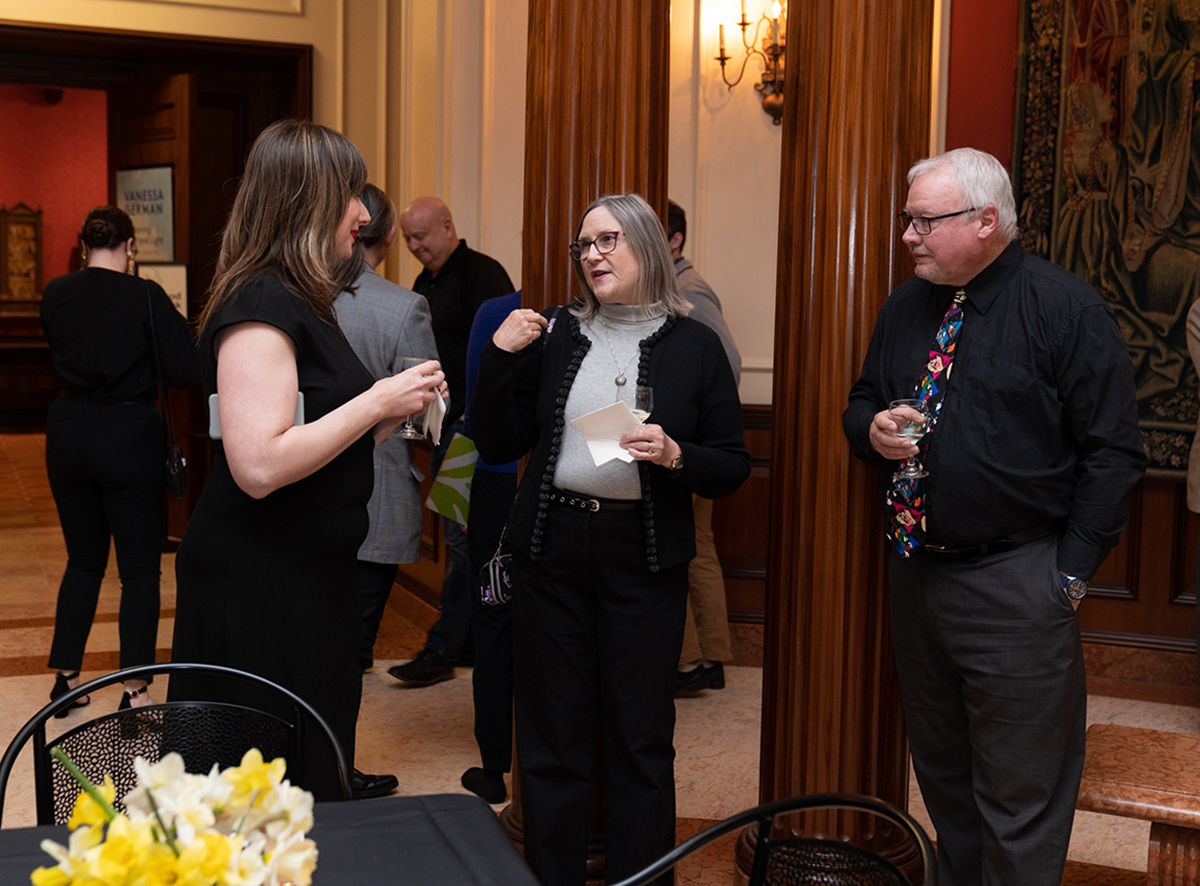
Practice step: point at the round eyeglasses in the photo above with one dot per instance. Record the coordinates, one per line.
(923, 224)
(604, 244)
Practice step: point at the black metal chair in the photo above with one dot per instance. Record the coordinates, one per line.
(202, 732)
(795, 861)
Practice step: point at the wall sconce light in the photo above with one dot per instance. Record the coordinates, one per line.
(773, 49)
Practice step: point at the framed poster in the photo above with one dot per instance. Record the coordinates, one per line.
(172, 277)
(20, 259)
(148, 196)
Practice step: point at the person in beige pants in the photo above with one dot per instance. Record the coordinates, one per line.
(706, 634)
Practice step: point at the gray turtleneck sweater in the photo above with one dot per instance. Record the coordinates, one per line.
(614, 331)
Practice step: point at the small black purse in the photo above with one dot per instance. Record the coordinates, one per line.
(176, 463)
(495, 578)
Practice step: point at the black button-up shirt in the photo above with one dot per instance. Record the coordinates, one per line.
(1039, 421)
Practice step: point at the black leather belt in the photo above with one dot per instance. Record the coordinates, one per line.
(570, 499)
(98, 399)
(991, 547)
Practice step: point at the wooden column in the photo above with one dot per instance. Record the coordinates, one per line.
(856, 116)
(595, 123)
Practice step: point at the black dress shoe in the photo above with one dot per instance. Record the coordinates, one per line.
(485, 784)
(716, 675)
(687, 682)
(364, 786)
(61, 688)
(424, 670)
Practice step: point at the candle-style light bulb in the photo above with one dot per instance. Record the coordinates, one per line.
(722, 27)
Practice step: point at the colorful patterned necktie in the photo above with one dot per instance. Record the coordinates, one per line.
(906, 498)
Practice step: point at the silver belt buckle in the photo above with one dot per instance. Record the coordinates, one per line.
(593, 505)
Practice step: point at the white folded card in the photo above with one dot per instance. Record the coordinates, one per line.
(603, 428)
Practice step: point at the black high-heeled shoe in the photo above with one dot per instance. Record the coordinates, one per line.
(127, 697)
(61, 688)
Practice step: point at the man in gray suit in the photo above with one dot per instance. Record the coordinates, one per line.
(383, 321)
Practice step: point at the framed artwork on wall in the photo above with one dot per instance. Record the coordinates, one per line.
(20, 259)
(1107, 173)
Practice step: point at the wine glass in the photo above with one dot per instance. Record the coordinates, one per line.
(400, 364)
(643, 402)
(912, 428)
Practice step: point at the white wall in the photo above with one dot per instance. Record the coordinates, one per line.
(724, 171)
(464, 120)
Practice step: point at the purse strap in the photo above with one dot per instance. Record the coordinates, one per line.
(162, 388)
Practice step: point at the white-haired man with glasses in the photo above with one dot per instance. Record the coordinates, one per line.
(1030, 451)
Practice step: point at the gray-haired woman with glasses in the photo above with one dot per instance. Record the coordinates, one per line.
(600, 552)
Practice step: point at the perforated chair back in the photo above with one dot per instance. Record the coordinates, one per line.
(807, 861)
(203, 733)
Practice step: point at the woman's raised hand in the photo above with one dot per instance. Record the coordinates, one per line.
(519, 329)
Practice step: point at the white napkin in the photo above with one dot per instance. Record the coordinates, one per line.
(603, 428)
(433, 418)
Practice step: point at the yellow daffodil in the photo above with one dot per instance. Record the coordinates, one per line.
(87, 810)
(126, 848)
(242, 827)
(254, 778)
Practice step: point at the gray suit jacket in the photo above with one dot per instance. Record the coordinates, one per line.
(383, 321)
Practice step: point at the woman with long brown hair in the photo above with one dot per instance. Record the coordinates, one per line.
(267, 568)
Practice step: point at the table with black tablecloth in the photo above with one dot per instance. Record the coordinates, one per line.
(439, 840)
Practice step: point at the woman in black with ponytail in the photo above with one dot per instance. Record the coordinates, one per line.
(104, 441)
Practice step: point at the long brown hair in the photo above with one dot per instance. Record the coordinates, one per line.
(299, 179)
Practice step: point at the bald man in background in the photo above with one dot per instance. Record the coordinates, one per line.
(456, 281)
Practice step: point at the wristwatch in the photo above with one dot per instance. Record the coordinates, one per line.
(677, 462)
(1073, 586)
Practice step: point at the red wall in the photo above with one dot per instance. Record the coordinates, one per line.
(982, 84)
(54, 157)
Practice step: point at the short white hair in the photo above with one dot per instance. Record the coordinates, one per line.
(981, 178)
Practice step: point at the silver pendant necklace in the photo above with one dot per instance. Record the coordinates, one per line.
(620, 380)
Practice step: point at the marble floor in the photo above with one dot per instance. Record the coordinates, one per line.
(424, 735)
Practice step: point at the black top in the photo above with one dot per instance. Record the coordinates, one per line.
(1039, 422)
(519, 405)
(466, 280)
(97, 323)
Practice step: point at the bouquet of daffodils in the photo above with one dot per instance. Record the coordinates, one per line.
(241, 827)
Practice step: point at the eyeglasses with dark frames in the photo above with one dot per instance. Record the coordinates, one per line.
(923, 224)
(604, 244)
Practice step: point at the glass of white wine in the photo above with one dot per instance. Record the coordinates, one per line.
(912, 421)
(400, 364)
(643, 402)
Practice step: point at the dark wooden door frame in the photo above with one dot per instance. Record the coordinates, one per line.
(80, 57)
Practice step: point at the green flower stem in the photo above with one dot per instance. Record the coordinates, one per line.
(69, 764)
(170, 837)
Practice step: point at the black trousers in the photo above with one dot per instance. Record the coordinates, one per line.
(596, 641)
(107, 472)
(995, 696)
(491, 626)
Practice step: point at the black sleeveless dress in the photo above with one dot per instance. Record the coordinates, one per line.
(270, 585)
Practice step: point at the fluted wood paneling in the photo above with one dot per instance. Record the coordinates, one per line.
(596, 123)
(856, 116)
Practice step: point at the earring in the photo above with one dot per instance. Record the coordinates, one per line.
(131, 266)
